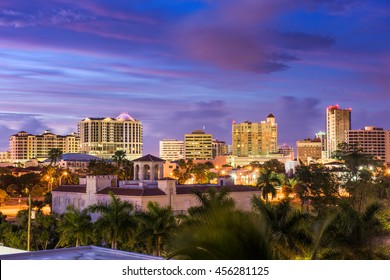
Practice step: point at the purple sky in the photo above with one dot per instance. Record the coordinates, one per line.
(180, 65)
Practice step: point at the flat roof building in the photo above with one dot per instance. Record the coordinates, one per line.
(198, 145)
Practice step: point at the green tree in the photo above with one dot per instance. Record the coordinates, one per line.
(267, 182)
(116, 222)
(100, 167)
(156, 226)
(351, 235)
(54, 155)
(317, 186)
(211, 199)
(75, 227)
(275, 166)
(3, 197)
(222, 234)
(289, 233)
(183, 170)
(119, 157)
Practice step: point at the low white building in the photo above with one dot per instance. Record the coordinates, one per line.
(165, 191)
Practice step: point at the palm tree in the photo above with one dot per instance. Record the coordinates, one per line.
(351, 234)
(75, 226)
(54, 155)
(116, 222)
(287, 227)
(221, 234)
(156, 226)
(119, 157)
(267, 181)
(210, 199)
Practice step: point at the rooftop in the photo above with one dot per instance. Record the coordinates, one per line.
(149, 157)
(79, 253)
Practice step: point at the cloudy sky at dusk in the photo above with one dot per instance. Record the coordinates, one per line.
(179, 65)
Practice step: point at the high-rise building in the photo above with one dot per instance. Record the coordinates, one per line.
(102, 137)
(198, 145)
(252, 139)
(219, 148)
(372, 141)
(24, 146)
(322, 136)
(337, 122)
(309, 150)
(171, 149)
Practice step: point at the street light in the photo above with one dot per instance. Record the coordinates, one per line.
(62, 175)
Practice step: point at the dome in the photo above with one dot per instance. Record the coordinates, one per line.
(124, 117)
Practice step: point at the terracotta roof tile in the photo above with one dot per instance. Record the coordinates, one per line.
(71, 188)
(133, 191)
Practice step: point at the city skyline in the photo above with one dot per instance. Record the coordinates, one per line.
(184, 65)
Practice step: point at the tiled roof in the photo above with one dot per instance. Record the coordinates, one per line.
(187, 189)
(149, 157)
(71, 188)
(132, 191)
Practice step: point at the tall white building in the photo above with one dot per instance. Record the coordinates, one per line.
(337, 122)
(102, 137)
(372, 141)
(171, 149)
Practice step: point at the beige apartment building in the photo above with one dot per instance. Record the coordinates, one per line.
(309, 150)
(253, 139)
(198, 145)
(24, 146)
(337, 122)
(372, 141)
(102, 137)
(171, 149)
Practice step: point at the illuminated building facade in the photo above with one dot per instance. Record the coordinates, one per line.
(102, 137)
(198, 145)
(337, 122)
(171, 149)
(253, 139)
(24, 146)
(372, 141)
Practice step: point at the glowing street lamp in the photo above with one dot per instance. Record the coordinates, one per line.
(62, 175)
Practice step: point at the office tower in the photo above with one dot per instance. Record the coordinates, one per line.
(24, 146)
(309, 150)
(252, 139)
(372, 141)
(337, 122)
(198, 145)
(219, 148)
(171, 149)
(102, 137)
(322, 136)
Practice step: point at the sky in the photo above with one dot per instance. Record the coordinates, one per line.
(181, 65)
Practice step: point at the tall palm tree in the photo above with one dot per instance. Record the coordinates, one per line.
(288, 233)
(267, 182)
(116, 221)
(75, 226)
(119, 157)
(156, 226)
(54, 155)
(210, 199)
